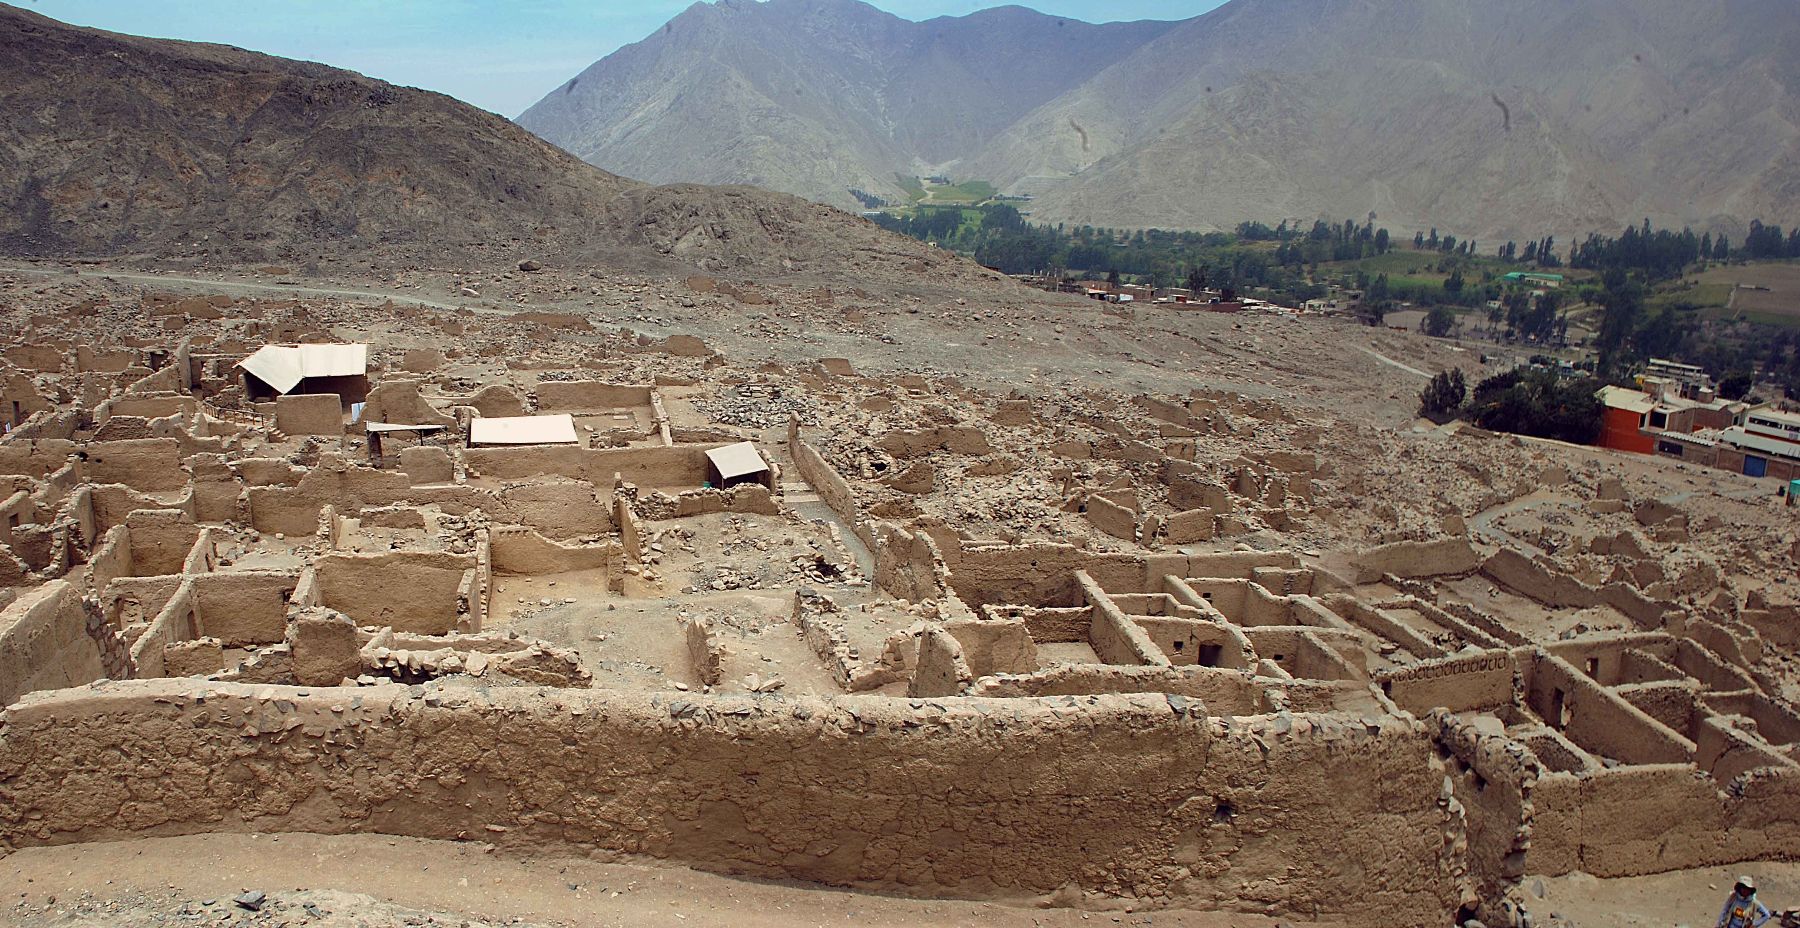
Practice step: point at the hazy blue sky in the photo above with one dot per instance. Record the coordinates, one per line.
(501, 55)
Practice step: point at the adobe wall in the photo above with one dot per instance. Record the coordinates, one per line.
(941, 668)
(295, 510)
(1223, 692)
(557, 507)
(1309, 653)
(415, 592)
(177, 621)
(1182, 641)
(160, 540)
(1724, 752)
(1551, 587)
(44, 642)
(147, 465)
(706, 654)
(125, 600)
(39, 458)
(1630, 821)
(1383, 625)
(825, 481)
(908, 564)
(993, 646)
(110, 560)
(1043, 574)
(523, 551)
(1476, 682)
(1115, 638)
(1218, 817)
(1411, 559)
(310, 414)
(680, 467)
(241, 608)
(148, 407)
(631, 535)
(1598, 720)
(586, 395)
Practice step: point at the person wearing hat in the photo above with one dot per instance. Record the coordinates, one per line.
(1742, 909)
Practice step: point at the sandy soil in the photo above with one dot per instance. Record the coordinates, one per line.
(193, 880)
(150, 882)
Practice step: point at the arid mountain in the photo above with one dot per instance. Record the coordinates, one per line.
(820, 97)
(114, 144)
(1491, 118)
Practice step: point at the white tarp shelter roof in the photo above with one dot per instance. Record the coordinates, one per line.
(284, 366)
(523, 430)
(737, 460)
(379, 427)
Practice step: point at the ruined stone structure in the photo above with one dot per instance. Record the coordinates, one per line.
(826, 678)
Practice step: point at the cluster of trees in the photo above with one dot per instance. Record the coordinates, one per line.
(1629, 334)
(1448, 244)
(1656, 254)
(867, 199)
(1660, 254)
(1530, 318)
(1326, 242)
(1541, 252)
(996, 235)
(1767, 242)
(1526, 401)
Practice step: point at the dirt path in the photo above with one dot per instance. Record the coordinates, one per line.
(1482, 523)
(1393, 363)
(238, 287)
(145, 878)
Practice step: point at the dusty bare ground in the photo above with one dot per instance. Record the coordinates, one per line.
(194, 880)
(378, 882)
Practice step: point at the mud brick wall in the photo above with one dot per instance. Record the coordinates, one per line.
(846, 791)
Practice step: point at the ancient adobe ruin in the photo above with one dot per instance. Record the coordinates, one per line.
(914, 637)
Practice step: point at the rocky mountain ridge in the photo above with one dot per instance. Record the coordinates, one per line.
(1501, 119)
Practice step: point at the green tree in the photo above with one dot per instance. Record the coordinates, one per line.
(1112, 276)
(1453, 285)
(1539, 402)
(1196, 280)
(1439, 322)
(1737, 384)
(1621, 311)
(1443, 396)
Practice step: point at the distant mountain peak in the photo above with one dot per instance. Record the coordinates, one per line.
(1682, 110)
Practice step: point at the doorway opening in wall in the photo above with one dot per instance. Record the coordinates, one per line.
(1593, 667)
(1559, 709)
(1210, 654)
(18, 416)
(12, 521)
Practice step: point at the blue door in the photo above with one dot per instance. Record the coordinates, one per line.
(1755, 466)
